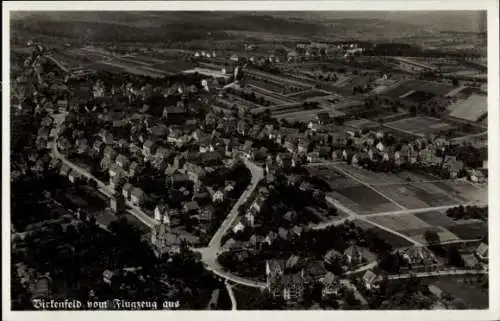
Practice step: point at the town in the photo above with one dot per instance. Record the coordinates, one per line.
(250, 174)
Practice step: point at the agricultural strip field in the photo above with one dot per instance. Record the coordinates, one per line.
(445, 235)
(136, 69)
(267, 93)
(436, 218)
(363, 200)
(419, 126)
(399, 222)
(471, 108)
(413, 197)
(470, 231)
(361, 123)
(392, 239)
(466, 191)
(309, 94)
(438, 89)
(146, 59)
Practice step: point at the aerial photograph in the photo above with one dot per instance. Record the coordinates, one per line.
(241, 160)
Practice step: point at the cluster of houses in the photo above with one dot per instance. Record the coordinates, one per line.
(289, 278)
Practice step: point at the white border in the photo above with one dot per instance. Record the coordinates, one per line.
(494, 149)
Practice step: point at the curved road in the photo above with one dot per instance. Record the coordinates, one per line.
(209, 254)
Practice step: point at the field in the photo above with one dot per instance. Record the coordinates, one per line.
(361, 123)
(436, 218)
(137, 69)
(444, 234)
(390, 238)
(309, 94)
(473, 297)
(400, 222)
(435, 88)
(363, 200)
(471, 108)
(419, 126)
(470, 231)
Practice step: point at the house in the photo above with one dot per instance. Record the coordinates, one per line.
(293, 287)
(238, 227)
(137, 196)
(336, 154)
(98, 147)
(164, 241)
(126, 190)
(303, 147)
(218, 196)
(73, 176)
(332, 256)
(353, 255)
(109, 153)
(283, 233)
(275, 269)
(64, 170)
(256, 241)
(250, 217)
(107, 276)
(148, 148)
(370, 280)
(297, 230)
(380, 147)
(122, 161)
(162, 153)
(135, 169)
(123, 143)
(313, 157)
(161, 214)
(271, 237)
(470, 260)
(314, 271)
(290, 216)
(330, 285)
(482, 252)
(82, 145)
(229, 244)
(322, 118)
(207, 213)
(191, 207)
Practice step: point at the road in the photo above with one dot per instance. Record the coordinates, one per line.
(257, 174)
(231, 295)
(353, 288)
(436, 273)
(209, 254)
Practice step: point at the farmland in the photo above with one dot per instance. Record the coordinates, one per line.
(470, 231)
(400, 222)
(309, 94)
(363, 200)
(436, 218)
(420, 126)
(435, 88)
(471, 108)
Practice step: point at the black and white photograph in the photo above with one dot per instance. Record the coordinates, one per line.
(191, 158)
